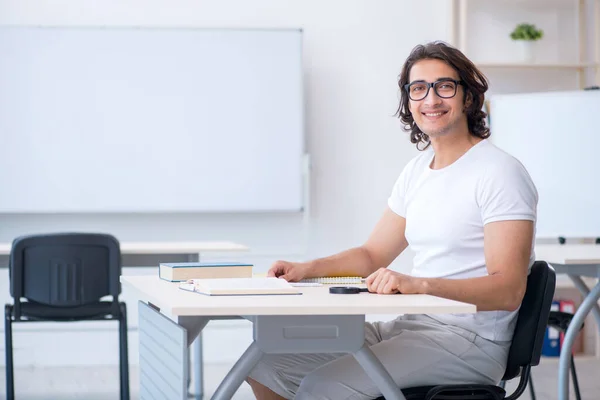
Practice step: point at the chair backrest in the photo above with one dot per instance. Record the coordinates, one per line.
(65, 269)
(526, 347)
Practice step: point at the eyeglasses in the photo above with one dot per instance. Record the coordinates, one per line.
(444, 88)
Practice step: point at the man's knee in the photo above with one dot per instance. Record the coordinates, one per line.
(320, 386)
(314, 386)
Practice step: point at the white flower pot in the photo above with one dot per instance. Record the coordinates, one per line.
(526, 50)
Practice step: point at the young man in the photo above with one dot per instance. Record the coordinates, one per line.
(468, 210)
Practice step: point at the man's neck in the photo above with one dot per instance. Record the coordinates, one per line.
(450, 148)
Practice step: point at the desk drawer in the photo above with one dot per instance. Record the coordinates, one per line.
(309, 333)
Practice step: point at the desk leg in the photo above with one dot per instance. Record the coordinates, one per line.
(377, 372)
(565, 356)
(199, 368)
(238, 373)
(194, 327)
(585, 291)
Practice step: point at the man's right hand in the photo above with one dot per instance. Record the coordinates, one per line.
(290, 271)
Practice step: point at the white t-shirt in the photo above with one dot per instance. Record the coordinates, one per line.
(445, 211)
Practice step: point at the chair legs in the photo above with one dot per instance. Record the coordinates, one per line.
(574, 376)
(10, 381)
(123, 352)
(531, 388)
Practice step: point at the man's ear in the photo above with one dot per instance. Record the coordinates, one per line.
(468, 100)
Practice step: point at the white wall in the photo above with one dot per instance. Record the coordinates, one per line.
(354, 50)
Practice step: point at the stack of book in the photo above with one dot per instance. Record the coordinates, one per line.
(180, 272)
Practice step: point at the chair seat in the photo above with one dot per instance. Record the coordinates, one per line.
(453, 392)
(416, 393)
(42, 312)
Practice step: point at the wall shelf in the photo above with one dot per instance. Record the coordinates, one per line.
(570, 45)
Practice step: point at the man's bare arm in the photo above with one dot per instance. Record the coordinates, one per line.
(507, 246)
(384, 244)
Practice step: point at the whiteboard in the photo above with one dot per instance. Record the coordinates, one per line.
(556, 135)
(150, 120)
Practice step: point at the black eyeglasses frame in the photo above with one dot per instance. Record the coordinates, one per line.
(432, 85)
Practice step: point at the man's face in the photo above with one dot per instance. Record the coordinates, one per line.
(441, 113)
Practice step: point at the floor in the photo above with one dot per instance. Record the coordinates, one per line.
(101, 383)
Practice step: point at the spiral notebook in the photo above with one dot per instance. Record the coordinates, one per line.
(335, 280)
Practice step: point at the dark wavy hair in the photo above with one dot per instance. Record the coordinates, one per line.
(473, 81)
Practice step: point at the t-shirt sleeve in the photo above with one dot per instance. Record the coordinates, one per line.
(396, 200)
(507, 192)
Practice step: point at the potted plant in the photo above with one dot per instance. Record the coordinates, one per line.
(526, 34)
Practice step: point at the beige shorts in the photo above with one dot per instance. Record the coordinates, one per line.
(415, 349)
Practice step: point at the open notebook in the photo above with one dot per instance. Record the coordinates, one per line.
(239, 286)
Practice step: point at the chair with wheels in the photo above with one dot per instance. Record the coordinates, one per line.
(63, 277)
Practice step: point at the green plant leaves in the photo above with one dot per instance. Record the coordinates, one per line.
(526, 32)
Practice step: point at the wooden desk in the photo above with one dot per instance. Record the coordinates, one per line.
(315, 321)
(576, 261)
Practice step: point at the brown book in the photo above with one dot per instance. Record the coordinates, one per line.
(178, 272)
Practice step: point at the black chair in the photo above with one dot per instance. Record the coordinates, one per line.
(524, 352)
(560, 321)
(63, 277)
